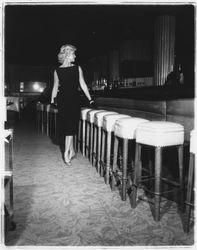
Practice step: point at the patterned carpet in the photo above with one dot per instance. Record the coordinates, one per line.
(55, 205)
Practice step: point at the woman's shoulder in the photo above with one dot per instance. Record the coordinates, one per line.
(69, 67)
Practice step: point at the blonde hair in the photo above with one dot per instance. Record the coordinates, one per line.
(65, 51)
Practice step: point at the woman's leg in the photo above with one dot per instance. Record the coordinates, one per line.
(69, 148)
(68, 142)
(72, 150)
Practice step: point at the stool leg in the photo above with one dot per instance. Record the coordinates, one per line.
(102, 160)
(137, 173)
(94, 140)
(42, 121)
(132, 160)
(75, 142)
(94, 154)
(189, 192)
(124, 170)
(91, 141)
(180, 159)
(150, 167)
(55, 125)
(11, 182)
(83, 136)
(79, 136)
(36, 124)
(108, 157)
(38, 121)
(139, 170)
(158, 163)
(87, 140)
(47, 122)
(149, 162)
(51, 123)
(99, 148)
(115, 157)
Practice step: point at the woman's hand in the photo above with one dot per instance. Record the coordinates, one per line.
(92, 104)
(53, 105)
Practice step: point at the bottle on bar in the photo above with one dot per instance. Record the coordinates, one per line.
(180, 75)
(171, 78)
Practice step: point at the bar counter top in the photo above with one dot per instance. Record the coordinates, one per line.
(163, 92)
(166, 103)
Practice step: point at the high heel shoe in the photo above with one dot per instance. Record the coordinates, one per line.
(67, 161)
(72, 155)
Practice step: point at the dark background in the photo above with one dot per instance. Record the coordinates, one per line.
(34, 34)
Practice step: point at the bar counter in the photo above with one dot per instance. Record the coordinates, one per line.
(170, 103)
(164, 92)
(163, 103)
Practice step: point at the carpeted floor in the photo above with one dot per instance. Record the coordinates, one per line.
(55, 205)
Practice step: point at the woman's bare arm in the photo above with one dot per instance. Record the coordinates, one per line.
(83, 84)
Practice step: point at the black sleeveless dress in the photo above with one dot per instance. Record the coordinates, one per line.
(68, 101)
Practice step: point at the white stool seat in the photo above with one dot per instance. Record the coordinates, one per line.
(110, 119)
(160, 133)
(84, 113)
(126, 127)
(99, 117)
(193, 141)
(91, 113)
(48, 107)
(38, 106)
(42, 106)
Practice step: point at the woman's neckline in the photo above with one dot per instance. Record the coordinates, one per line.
(67, 66)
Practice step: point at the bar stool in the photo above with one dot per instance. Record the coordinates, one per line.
(125, 129)
(108, 128)
(190, 184)
(84, 126)
(79, 139)
(42, 107)
(53, 120)
(7, 175)
(98, 123)
(47, 107)
(38, 116)
(157, 134)
(90, 122)
(44, 117)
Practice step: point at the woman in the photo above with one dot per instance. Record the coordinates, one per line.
(67, 78)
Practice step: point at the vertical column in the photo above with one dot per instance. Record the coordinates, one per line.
(164, 48)
(114, 64)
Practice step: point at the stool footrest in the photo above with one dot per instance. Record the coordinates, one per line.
(102, 163)
(147, 199)
(94, 155)
(163, 192)
(165, 180)
(118, 174)
(189, 203)
(177, 187)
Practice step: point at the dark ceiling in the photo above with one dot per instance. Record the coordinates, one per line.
(34, 33)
